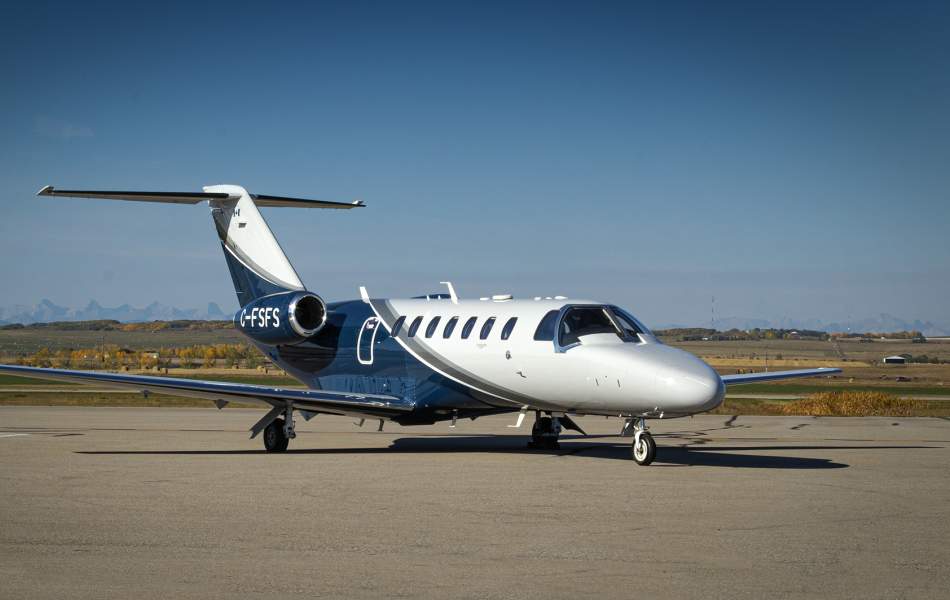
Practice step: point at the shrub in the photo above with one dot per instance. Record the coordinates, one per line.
(853, 404)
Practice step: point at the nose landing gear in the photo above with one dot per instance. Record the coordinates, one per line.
(643, 449)
(544, 432)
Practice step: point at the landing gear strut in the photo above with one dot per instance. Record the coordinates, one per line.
(545, 432)
(643, 448)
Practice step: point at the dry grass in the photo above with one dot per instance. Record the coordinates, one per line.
(854, 404)
(838, 404)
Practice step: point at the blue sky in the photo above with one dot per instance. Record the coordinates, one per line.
(792, 160)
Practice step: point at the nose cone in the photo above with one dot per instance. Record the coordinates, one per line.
(684, 383)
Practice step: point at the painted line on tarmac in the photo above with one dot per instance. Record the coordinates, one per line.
(11, 435)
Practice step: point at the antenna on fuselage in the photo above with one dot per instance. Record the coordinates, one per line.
(452, 294)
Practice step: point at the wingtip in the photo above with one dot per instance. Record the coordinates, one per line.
(47, 190)
(359, 204)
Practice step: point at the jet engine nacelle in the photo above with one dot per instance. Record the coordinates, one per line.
(280, 319)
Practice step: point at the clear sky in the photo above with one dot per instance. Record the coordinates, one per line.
(790, 159)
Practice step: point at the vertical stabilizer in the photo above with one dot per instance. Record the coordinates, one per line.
(257, 263)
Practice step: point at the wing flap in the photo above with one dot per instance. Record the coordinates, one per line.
(776, 375)
(344, 403)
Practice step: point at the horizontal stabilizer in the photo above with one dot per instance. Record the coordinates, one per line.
(775, 375)
(170, 197)
(196, 197)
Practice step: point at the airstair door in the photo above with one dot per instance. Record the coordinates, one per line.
(365, 341)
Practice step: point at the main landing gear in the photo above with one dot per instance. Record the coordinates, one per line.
(544, 432)
(643, 449)
(279, 432)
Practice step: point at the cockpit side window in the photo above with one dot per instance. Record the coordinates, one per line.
(545, 330)
(584, 320)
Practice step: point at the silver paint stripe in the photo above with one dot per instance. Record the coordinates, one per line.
(256, 269)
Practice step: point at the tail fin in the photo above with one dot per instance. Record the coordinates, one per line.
(257, 263)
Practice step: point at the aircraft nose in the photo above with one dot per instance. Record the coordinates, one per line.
(689, 384)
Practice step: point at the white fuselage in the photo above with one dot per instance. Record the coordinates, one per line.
(598, 373)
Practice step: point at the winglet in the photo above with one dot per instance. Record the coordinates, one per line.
(46, 191)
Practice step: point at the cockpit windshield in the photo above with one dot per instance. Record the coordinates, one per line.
(584, 320)
(628, 322)
(579, 321)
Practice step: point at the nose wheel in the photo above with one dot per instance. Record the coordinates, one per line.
(643, 449)
(545, 432)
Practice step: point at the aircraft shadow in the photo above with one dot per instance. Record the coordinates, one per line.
(706, 456)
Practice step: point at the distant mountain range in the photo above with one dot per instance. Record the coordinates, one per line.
(46, 311)
(883, 323)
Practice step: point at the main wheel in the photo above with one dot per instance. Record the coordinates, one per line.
(275, 440)
(645, 451)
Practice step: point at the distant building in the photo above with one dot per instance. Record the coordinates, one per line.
(895, 360)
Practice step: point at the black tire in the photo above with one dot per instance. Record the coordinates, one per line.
(541, 426)
(275, 440)
(646, 452)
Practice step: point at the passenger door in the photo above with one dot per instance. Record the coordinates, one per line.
(365, 341)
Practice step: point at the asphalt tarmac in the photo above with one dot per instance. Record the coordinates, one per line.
(178, 503)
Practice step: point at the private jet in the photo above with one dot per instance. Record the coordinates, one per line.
(431, 358)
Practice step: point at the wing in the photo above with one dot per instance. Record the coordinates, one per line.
(757, 377)
(322, 401)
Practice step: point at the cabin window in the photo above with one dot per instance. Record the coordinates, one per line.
(414, 326)
(546, 328)
(486, 328)
(398, 325)
(430, 329)
(509, 326)
(450, 327)
(585, 320)
(468, 327)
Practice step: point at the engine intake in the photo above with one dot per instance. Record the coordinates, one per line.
(281, 319)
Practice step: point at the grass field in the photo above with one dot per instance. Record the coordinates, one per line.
(812, 388)
(16, 342)
(751, 406)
